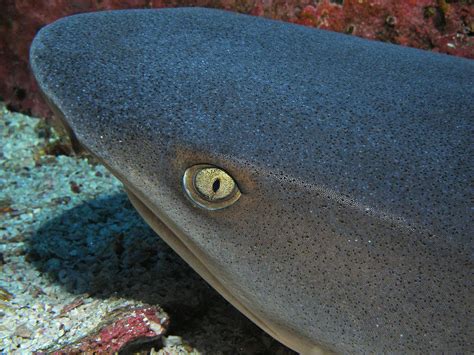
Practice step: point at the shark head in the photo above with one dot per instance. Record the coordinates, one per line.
(318, 181)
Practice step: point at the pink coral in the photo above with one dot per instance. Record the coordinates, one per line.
(121, 328)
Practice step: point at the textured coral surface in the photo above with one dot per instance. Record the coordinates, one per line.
(121, 328)
(439, 25)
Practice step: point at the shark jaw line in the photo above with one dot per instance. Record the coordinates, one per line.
(168, 231)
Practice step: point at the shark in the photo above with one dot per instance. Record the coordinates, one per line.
(319, 181)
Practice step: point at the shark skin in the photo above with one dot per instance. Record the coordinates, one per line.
(353, 231)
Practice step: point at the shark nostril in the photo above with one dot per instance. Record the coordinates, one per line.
(210, 187)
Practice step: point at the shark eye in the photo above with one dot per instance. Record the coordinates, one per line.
(210, 187)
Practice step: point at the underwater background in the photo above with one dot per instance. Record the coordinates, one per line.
(78, 266)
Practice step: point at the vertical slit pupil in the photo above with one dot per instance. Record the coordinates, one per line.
(216, 185)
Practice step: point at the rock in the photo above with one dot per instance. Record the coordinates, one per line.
(172, 340)
(4, 294)
(121, 329)
(426, 24)
(23, 331)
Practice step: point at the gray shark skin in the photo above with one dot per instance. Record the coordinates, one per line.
(353, 233)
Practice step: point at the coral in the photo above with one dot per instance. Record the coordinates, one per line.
(426, 24)
(122, 328)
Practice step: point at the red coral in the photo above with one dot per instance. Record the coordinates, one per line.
(122, 332)
(426, 24)
(122, 328)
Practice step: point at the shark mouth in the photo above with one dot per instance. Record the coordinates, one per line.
(166, 230)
